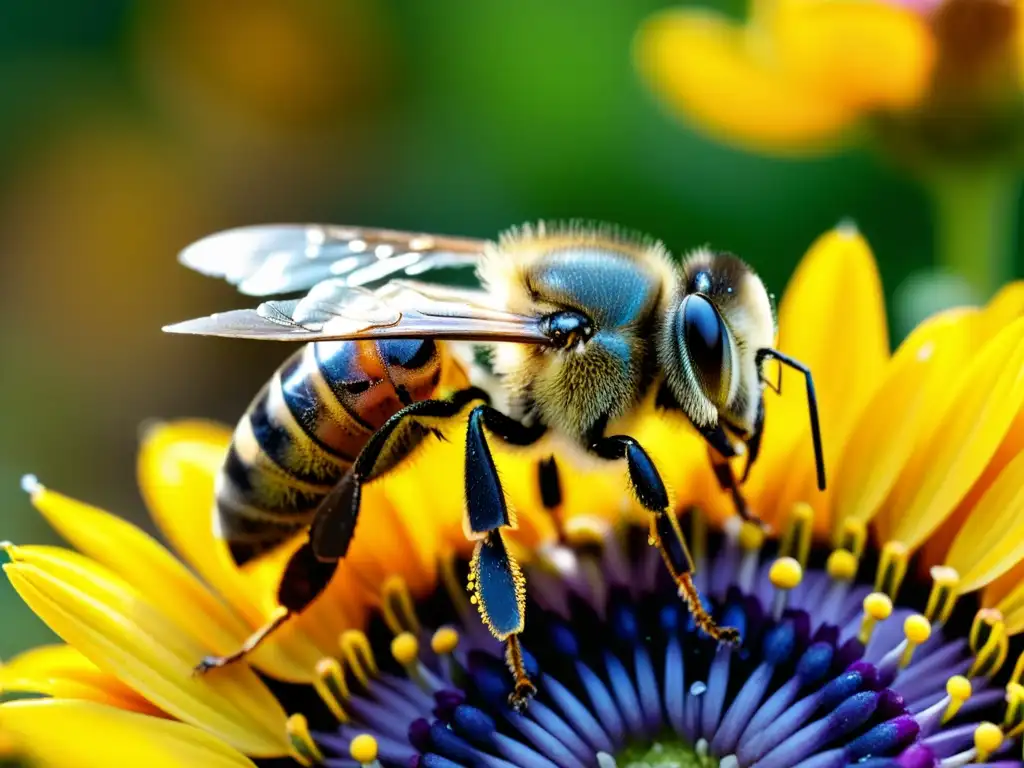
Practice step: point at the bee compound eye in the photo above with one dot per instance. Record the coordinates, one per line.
(705, 342)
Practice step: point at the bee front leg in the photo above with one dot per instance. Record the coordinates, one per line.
(720, 450)
(304, 578)
(665, 532)
(496, 580)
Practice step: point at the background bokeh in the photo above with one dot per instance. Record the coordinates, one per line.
(129, 129)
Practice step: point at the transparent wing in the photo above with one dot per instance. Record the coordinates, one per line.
(334, 309)
(286, 258)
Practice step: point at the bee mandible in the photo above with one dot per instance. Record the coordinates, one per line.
(585, 320)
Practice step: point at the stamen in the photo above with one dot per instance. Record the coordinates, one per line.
(988, 642)
(397, 607)
(1018, 670)
(917, 630)
(406, 650)
(853, 538)
(750, 539)
(303, 749)
(443, 643)
(958, 688)
(796, 541)
(358, 655)
(892, 567)
(841, 565)
(331, 686)
(1013, 721)
(987, 739)
(460, 601)
(785, 575)
(942, 600)
(877, 607)
(363, 750)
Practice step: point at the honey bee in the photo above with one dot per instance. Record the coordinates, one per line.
(586, 321)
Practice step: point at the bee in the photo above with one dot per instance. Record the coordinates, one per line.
(585, 322)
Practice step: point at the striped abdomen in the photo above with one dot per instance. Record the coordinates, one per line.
(308, 424)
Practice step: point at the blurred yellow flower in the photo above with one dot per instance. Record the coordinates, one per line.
(925, 451)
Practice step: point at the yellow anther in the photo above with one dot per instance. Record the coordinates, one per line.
(583, 531)
(444, 641)
(358, 655)
(1013, 721)
(397, 606)
(796, 542)
(363, 748)
(1018, 670)
(405, 648)
(917, 630)
(892, 567)
(987, 739)
(852, 538)
(786, 573)
(751, 536)
(942, 600)
(982, 627)
(303, 749)
(989, 643)
(877, 607)
(958, 688)
(841, 565)
(331, 686)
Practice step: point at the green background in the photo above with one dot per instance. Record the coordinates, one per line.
(128, 130)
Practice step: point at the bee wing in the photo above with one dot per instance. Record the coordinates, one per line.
(334, 310)
(284, 258)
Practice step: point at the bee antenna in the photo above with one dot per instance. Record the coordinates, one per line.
(812, 406)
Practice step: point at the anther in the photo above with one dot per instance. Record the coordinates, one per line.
(397, 606)
(942, 599)
(917, 630)
(841, 565)
(363, 749)
(358, 655)
(796, 541)
(892, 567)
(750, 538)
(958, 689)
(303, 749)
(785, 575)
(444, 641)
(989, 643)
(331, 686)
(1013, 721)
(877, 607)
(987, 739)
(406, 650)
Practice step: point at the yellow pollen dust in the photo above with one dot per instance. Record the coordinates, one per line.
(751, 537)
(444, 641)
(363, 748)
(987, 739)
(841, 565)
(786, 573)
(405, 648)
(958, 688)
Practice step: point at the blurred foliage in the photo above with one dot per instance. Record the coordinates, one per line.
(129, 129)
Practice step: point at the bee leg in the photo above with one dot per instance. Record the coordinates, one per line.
(499, 591)
(335, 521)
(720, 449)
(304, 578)
(665, 533)
(753, 442)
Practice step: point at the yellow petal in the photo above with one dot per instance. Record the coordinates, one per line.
(1008, 304)
(79, 734)
(722, 78)
(899, 412)
(151, 569)
(63, 672)
(966, 435)
(177, 466)
(832, 318)
(124, 633)
(870, 55)
(992, 540)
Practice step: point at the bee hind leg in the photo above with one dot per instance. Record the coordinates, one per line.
(304, 578)
(665, 533)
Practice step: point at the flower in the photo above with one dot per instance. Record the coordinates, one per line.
(392, 666)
